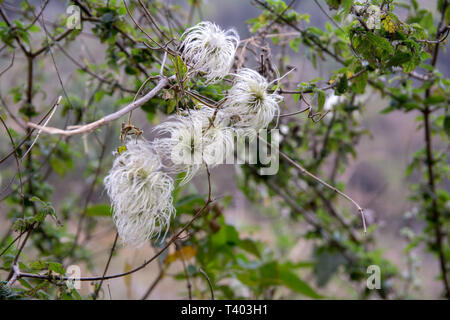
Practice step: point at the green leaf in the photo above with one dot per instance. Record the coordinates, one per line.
(36, 199)
(293, 282)
(56, 267)
(294, 44)
(434, 99)
(399, 59)
(34, 28)
(171, 106)
(326, 266)
(360, 82)
(38, 265)
(99, 95)
(250, 246)
(381, 43)
(346, 4)
(76, 294)
(269, 273)
(188, 203)
(227, 235)
(342, 86)
(320, 98)
(333, 4)
(447, 125)
(60, 166)
(52, 266)
(424, 55)
(180, 67)
(99, 210)
(24, 282)
(46, 209)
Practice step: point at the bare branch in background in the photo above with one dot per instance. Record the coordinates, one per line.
(163, 82)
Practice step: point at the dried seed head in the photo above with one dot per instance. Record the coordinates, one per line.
(141, 194)
(249, 103)
(194, 139)
(208, 49)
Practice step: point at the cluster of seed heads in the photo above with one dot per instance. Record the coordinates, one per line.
(140, 182)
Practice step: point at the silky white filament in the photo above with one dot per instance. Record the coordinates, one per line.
(249, 105)
(194, 139)
(208, 49)
(141, 194)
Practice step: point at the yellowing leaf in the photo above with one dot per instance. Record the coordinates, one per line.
(186, 253)
(121, 149)
(389, 24)
(262, 19)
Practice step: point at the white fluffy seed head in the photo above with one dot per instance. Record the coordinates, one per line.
(195, 139)
(141, 194)
(208, 49)
(249, 104)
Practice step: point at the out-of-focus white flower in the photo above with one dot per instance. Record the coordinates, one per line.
(249, 105)
(195, 138)
(141, 194)
(330, 102)
(284, 129)
(208, 49)
(333, 101)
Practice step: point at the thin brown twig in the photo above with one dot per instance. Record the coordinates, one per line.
(186, 273)
(12, 242)
(55, 106)
(328, 16)
(89, 196)
(10, 64)
(161, 47)
(209, 282)
(113, 248)
(435, 214)
(152, 21)
(155, 282)
(304, 171)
